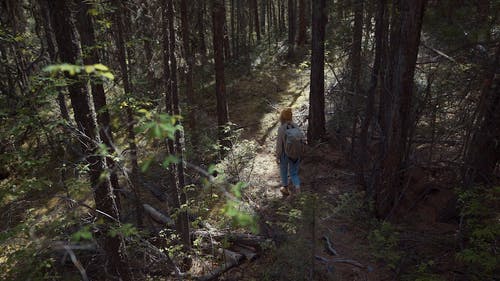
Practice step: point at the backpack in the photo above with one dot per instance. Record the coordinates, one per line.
(293, 142)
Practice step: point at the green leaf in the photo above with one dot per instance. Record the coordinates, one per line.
(146, 164)
(82, 234)
(108, 75)
(89, 68)
(101, 67)
(170, 159)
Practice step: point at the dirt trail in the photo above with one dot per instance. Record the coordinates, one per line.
(324, 172)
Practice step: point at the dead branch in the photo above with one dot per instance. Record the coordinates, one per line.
(76, 262)
(157, 216)
(329, 246)
(340, 260)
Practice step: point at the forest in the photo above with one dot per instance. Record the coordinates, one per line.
(140, 140)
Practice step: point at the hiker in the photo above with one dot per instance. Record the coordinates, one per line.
(289, 148)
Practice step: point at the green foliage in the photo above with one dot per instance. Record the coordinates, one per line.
(240, 217)
(238, 165)
(157, 126)
(124, 230)
(83, 234)
(97, 70)
(384, 241)
(480, 212)
(293, 259)
(423, 272)
(353, 205)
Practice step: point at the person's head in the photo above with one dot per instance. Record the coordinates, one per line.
(286, 115)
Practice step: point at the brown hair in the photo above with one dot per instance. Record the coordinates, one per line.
(286, 115)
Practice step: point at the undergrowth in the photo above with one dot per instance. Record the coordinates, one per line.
(481, 232)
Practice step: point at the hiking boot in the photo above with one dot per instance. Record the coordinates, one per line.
(284, 191)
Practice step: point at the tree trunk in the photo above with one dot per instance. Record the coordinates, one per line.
(51, 49)
(291, 27)
(127, 87)
(377, 72)
(188, 57)
(103, 194)
(256, 19)
(484, 149)
(85, 27)
(167, 81)
(356, 68)
(263, 16)
(218, 15)
(146, 29)
(301, 39)
(404, 41)
(201, 31)
(234, 31)
(316, 129)
(182, 221)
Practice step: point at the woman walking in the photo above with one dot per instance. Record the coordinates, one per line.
(289, 149)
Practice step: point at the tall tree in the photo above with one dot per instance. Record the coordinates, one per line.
(52, 50)
(85, 26)
(202, 46)
(376, 76)
(124, 59)
(263, 16)
(316, 129)
(404, 41)
(292, 26)
(103, 194)
(255, 7)
(301, 37)
(188, 75)
(484, 150)
(355, 61)
(182, 221)
(218, 15)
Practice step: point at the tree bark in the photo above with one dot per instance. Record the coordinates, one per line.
(202, 48)
(85, 27)
(404, 41)
(484, 149)
(127, 87)
(316, 129)
(218, 15)
(103, 194)
(263, 16)
(377, 72)
(167, 81)
(182, 221)
(291, 27)
(301, 38)
(256, 19)
(188, 57)
(52, 51)
(356, 67)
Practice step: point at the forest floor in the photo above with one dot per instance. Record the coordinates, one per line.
(299, 224)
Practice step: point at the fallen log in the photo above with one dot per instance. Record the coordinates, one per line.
(254, 241)
(231, 258)
(247, 253)
(157, 216)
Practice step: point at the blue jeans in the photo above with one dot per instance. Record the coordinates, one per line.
(287, 164)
